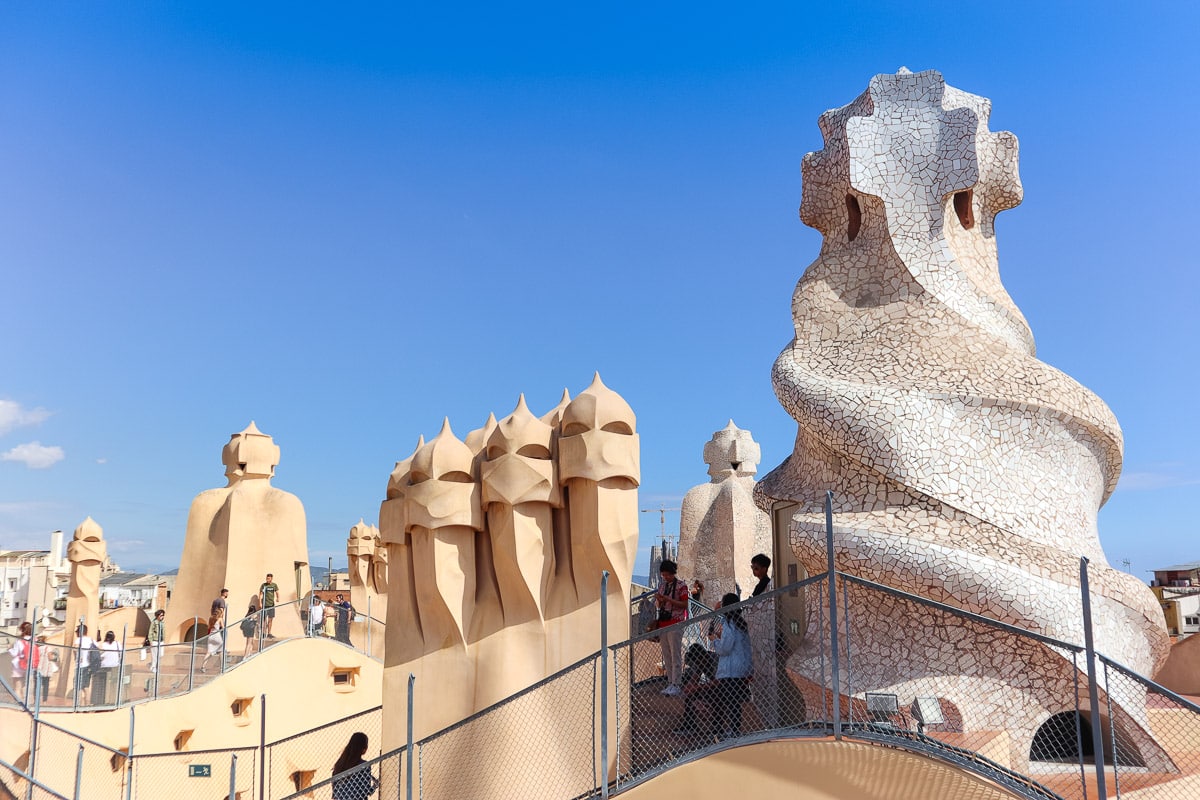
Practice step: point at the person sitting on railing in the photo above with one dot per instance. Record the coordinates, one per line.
(699, 685)
(734, 668)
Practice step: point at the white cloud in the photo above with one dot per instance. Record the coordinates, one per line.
(13, 416)
(101, 460)
(35, 455)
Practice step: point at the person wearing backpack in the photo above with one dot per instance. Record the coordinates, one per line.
(345, 613)
(24, 658)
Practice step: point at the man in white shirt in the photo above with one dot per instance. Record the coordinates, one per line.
(316, 616)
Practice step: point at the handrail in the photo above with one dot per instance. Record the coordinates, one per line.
(190, 680)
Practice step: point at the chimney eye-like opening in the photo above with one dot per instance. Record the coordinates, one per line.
(855, 217)
(962, 207)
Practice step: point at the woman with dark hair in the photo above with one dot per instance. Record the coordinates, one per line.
(360, 783)
(249, 626)
(734, 668)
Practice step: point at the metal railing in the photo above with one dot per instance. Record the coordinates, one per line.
(136, 671)
(1044, 718)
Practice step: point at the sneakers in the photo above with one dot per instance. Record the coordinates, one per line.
(672, 690)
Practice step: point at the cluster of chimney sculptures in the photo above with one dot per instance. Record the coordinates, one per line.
(963, 469)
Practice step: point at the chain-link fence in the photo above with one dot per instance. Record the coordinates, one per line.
(1151, 736)
(307, 758)
(847, 657)
(385, 774)
(685, 688)
(545, 736)
(197, 774)
(63, 759)
(130, 670)
(16, 784)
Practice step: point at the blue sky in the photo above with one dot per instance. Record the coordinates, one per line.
(345, 224)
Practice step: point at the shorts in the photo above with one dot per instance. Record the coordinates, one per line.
(269, 612)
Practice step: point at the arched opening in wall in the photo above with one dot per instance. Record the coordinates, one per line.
(192, 629)
(854, 223)
(962, 208)
(1064, 738)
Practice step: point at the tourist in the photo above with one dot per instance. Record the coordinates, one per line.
(216, 636)
(759, 566)
(330, 621)
(155, 639)
(110, 667)
(359, 784)
(697, 591)
(734, 668)
(768, 645)
(699, 684)
(344, 611)
(316, 616)
(220, 602)
(24, 658)
(84, 668)
(249, 626)
(672, 600)
(47, 663)
(268, 593)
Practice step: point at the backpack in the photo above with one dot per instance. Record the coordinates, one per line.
(93, 657)
(23, 657)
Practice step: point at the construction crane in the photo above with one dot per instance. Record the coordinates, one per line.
(662, 518)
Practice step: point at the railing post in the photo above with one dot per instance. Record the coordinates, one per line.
(33, 727)
(129, 767)
(368, 651)
(78, 663)
(408, 753)
(233, 776)
(262, 748)
(29, 670)
(192, 655)
(121, 663)
(835, 666)
(1093, 687)
(604, 685)
(78, 772)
